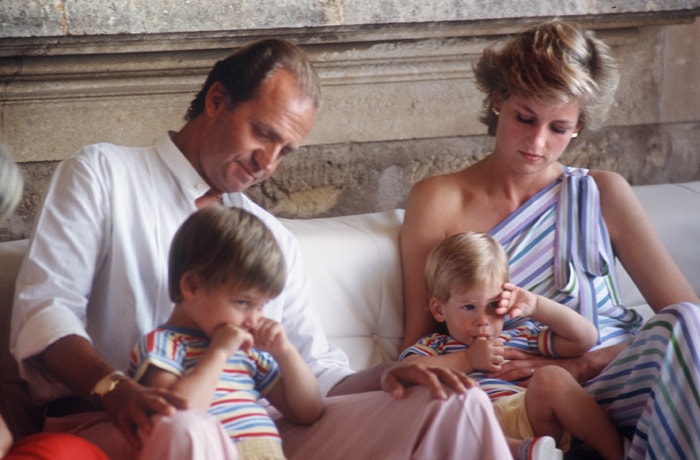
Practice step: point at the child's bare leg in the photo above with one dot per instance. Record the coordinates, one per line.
(555, 402)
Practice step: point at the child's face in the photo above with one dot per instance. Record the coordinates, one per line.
(470, 313)
(211, 307)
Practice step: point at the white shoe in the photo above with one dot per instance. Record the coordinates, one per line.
(543, 448)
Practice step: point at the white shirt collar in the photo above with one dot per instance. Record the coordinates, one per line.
(192, 184)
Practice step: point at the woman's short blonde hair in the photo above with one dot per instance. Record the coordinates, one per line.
(554, 61)
(463, 261)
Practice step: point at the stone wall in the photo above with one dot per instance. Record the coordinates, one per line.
(399, 98)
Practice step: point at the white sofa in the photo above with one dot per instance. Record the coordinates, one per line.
(354, 267)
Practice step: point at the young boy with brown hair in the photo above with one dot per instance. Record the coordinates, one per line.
(217, 350)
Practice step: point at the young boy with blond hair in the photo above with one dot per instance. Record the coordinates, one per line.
(467, 281)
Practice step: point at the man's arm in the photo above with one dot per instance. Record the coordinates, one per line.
(82, 371)
(130, 405)
(394, 378)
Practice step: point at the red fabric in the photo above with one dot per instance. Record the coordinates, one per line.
(54, 446)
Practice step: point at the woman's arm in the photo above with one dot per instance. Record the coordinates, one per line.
(638, 246)
(420, 232)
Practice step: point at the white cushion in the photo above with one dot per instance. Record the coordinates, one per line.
(674, 210)
(354, 269)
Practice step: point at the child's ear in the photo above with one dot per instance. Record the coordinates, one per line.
(437, 309)
(189, 284)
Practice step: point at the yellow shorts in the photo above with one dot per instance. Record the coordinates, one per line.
(512, 416)
(259, 449)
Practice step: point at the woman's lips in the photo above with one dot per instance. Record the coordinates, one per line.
(530, 156)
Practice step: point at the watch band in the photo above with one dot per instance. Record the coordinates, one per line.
(106, 385)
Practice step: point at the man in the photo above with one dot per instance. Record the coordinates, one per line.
(95, 279)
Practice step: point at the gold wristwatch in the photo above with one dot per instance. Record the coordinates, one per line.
(106, 385)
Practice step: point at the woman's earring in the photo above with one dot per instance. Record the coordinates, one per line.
(574, 135)
(495, 111)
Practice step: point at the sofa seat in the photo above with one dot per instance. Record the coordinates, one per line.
(354, 268)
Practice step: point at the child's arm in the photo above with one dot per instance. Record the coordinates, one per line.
(296, 395)
(198, 386)
(484, 354)
(573, 334)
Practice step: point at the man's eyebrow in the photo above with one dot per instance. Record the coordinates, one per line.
(268, 130)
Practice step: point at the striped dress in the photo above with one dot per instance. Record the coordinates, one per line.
(559, 247)
(245, 378)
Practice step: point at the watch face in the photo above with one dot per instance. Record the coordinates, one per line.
(108, 383)
(109, 386)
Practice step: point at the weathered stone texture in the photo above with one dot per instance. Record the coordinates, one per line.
(352, 178)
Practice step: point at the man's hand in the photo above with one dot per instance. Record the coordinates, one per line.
(397, 377)
(132, 407)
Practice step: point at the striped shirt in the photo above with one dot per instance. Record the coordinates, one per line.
(246, 378)
(530, 337)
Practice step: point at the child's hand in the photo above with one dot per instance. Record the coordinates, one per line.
(516, 301)
(270, 336)
(486, 354)
(230, 339)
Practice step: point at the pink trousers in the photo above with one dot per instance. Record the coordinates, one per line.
(374, 425)
(186, 435)
(365, 425)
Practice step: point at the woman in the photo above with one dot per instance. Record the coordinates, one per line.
(562, 228)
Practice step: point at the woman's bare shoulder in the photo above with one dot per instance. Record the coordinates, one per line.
(612, 185)
(608, 179)
(442, 187)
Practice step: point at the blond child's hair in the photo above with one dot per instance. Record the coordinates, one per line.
(462, 261)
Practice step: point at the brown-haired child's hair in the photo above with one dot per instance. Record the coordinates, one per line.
(226, 246)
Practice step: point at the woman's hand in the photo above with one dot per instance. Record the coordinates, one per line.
(396, 378)
(583, 368)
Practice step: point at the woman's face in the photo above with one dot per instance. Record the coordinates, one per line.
(532, 134)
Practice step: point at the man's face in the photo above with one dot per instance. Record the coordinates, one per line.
(244, 146)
